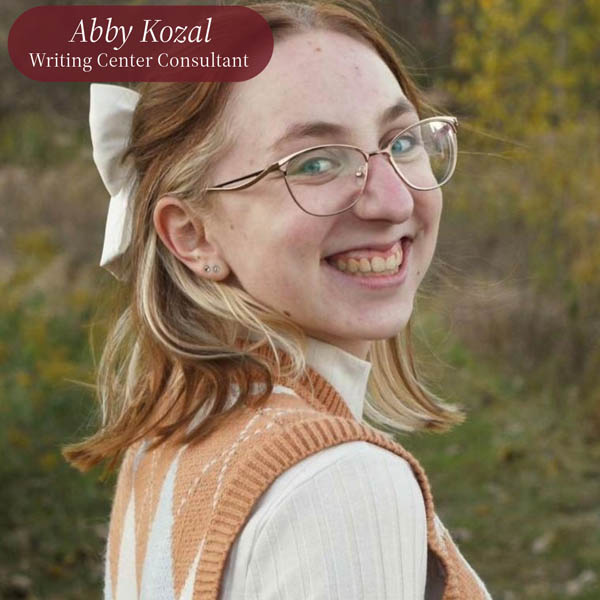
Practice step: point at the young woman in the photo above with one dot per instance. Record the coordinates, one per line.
(273, 234)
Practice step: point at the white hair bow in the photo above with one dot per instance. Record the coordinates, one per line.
(111, 112)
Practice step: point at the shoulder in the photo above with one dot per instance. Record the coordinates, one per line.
(353, 460)
(342, 470)
(355, 500)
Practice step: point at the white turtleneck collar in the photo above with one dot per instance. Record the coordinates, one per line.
(347, 373)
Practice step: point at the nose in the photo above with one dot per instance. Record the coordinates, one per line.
(385, 196)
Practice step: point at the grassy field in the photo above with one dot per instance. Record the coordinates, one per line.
(518, 483)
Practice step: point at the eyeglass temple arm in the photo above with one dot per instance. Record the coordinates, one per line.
(256, 176)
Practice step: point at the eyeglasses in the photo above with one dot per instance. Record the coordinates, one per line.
(329, 179)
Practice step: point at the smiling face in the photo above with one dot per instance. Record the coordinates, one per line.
(275, 251)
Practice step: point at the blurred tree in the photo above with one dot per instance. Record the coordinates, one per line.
(526, 71)
(524, 65)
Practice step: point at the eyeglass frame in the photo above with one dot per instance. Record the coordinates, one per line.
(277, 165)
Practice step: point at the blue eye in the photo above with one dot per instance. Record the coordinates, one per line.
(310, 167)
(314, 166)
(404, 144)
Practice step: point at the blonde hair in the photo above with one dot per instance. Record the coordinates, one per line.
(172, 354)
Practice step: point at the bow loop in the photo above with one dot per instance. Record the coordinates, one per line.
(111, 113)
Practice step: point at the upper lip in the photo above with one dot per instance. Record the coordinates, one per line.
(380, 246)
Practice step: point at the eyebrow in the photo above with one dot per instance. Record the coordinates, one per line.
(313, 129)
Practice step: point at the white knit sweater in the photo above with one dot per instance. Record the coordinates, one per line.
(345, 523)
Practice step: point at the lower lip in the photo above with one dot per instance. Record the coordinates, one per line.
(375, 282)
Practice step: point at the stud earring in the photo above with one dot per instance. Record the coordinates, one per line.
(215, 268)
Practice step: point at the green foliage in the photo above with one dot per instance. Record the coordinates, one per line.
(518, 478)
(526, 81)
(30, 139)
(54, 519)
(521, 66)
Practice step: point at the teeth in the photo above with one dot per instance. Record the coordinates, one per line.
(365, 265)
(377, 264)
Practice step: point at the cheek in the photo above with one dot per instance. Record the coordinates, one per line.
(428, 206)
(293, 239)
(268, 248)
(279, 271)
(304, 239)
(428, 209)
(290, 262)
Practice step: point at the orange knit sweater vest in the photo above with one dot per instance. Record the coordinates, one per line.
(215, 484)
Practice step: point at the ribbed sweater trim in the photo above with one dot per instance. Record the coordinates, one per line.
(293, 443)
(178, 509)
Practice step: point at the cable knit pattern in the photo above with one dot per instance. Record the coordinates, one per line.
(178, 509)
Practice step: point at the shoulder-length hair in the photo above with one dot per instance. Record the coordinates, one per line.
(171, 353)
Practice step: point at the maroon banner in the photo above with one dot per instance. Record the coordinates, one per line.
(140, 43)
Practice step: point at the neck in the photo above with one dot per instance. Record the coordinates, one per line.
(359, 348)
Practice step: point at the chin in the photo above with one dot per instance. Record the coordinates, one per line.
(377, 330)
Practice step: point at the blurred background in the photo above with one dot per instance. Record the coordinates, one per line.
(507, 320)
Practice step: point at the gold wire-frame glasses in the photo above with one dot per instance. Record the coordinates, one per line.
(362, 171)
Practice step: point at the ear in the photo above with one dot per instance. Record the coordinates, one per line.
(184, 235)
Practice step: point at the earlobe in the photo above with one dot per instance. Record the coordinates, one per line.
(215, 269)
(212, 268)
(185, 237)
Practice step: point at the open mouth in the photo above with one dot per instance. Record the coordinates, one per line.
(371, 263)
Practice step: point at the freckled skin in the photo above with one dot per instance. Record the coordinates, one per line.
(273, 248)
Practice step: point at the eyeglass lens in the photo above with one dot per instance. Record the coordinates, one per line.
(328, 180)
